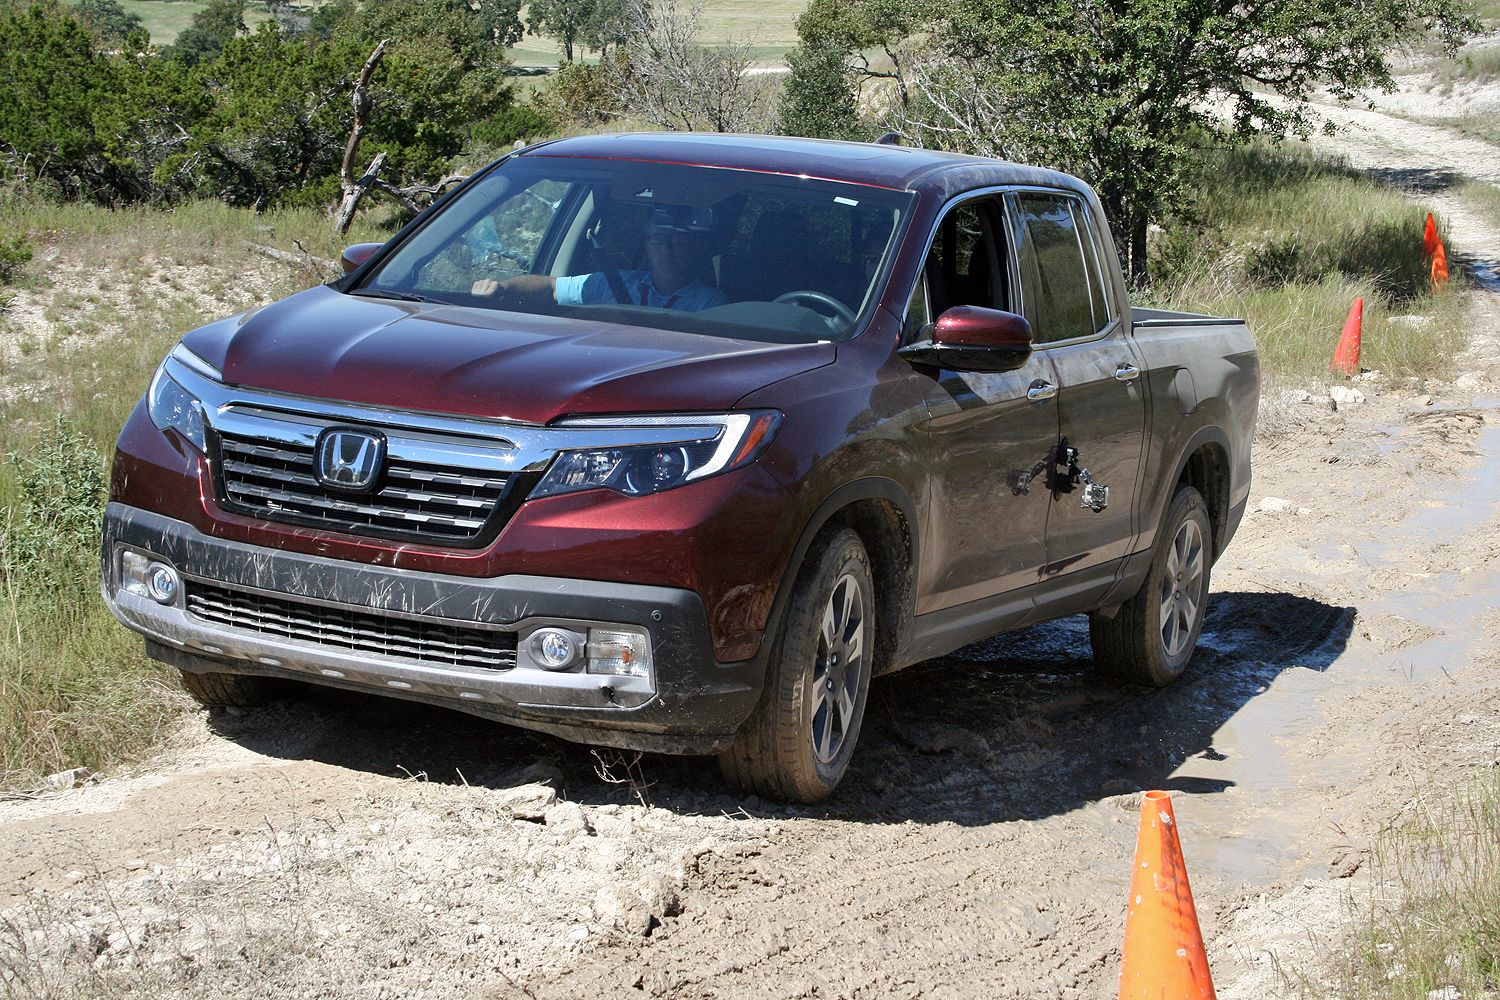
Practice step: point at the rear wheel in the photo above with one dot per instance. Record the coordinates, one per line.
(1153, 635)
(227, 690)
(800, 739)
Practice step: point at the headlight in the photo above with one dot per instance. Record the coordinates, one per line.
(732, 440)
(172, 406)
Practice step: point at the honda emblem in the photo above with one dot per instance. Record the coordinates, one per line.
(349, 459)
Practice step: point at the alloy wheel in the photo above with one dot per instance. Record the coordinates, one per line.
(1182, 589)
(839, 668)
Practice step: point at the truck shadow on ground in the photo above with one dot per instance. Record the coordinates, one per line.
(1015, 727)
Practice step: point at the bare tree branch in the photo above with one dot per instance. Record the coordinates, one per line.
(354, 189)
(670, 80)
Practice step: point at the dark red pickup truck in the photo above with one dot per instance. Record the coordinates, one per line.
(672, 442)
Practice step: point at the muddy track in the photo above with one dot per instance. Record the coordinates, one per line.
(347, 846)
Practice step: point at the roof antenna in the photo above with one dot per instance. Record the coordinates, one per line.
(889, 139)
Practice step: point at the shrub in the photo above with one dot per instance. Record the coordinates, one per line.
(75, 689)
(15, 251)
(53, 533)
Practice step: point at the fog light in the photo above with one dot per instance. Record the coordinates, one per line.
(554, 649)
(161, 583)
(133, 572)
(623, 654)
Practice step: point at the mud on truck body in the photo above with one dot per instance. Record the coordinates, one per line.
(502, 466)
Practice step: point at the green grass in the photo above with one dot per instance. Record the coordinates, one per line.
(1287, 241)
(121, 286)
(769, 28)
(1431, 927)
(165, 19)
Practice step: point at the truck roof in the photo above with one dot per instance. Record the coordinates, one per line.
(897, 167)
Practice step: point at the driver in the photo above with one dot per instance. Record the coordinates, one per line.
(675, 252)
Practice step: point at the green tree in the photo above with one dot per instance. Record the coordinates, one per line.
(209, 31)
(110, 23)
(146, 127)
(609, 26)
(443, 75)
(562, 20)
(831, 65)
(821, 97)
(51, 80)
(1122, 92)
(276, 119)
(594, 24)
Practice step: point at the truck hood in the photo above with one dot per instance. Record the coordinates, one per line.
(486, 363)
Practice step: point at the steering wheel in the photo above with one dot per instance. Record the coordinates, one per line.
(812, 299)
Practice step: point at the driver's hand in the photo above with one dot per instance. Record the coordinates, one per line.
(485, 287)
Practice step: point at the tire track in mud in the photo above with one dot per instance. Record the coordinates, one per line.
(968, 864)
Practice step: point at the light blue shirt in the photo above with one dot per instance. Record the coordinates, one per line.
(593, 290)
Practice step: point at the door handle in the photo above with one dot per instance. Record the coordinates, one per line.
(1040, 390)
(1127, 372)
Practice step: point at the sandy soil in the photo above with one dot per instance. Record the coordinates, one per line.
(981, 846)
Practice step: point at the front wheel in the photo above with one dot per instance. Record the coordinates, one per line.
(800, 739)
(227, 690)
(1152, 636)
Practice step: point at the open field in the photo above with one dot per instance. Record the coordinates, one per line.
(768, 27)
(165, 19)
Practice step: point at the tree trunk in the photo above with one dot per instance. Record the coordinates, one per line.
(354, 188)
(355, 191)
(1138, 274)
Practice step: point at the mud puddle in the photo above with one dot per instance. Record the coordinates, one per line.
(1261, 751)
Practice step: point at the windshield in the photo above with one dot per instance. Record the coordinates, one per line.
(715, 251)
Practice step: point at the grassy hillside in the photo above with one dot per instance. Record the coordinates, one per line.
(82, 328)
(165, 19)
(1287, 240)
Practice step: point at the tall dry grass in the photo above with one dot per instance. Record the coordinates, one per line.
(106, 295)
(1287, 241)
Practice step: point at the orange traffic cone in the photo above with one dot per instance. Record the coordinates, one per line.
(1346, 355)
(1430, 242)
(1439, 267)
(1164, 957)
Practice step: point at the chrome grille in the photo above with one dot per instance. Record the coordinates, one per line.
(275, 480)
(358, 629)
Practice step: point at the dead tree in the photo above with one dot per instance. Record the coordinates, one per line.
(355, 188)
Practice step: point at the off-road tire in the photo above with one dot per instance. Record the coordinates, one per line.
(1139, 644)
(227, 690)
(774, 754)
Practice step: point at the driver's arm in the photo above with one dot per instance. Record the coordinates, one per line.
(523, 287)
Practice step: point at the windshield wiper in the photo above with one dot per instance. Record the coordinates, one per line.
(382, 293)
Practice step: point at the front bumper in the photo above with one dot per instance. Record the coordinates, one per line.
(691, 704)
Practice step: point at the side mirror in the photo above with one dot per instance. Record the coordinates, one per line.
(973, 339)
(357, 254)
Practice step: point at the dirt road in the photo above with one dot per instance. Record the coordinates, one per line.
(980, 847)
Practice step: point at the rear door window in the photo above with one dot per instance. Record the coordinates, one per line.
(1058, 298)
